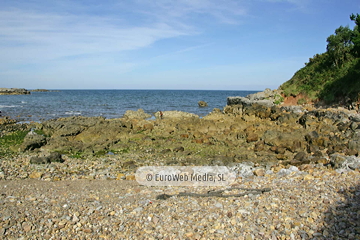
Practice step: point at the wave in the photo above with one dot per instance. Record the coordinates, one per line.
(8, 106)
(72, 113)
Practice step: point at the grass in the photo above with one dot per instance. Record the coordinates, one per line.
(9, 140)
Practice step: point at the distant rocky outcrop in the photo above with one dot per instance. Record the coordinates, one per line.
(202, 104)
(40, 90)
(13, 91)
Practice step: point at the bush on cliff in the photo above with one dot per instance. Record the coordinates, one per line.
(334, 75)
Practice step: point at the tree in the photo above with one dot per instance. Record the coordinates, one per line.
(340, 45)
(356, 34)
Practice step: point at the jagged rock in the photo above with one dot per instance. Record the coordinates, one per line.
(293, 109)
(32, 141)
(247, 102)
(355, 117)
(338, 161)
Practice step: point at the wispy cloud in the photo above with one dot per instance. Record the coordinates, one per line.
(298, 4)
(51, 36)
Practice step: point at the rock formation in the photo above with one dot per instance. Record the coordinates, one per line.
(13, 91)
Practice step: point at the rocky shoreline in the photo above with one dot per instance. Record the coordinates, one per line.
(14, 91)
(307, 156)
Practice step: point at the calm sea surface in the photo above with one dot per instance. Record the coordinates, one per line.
(39, 106)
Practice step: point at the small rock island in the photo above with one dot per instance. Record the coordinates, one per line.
(14, 91)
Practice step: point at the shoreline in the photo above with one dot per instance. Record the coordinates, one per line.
(307, 157)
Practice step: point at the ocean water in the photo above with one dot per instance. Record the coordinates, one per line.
(39, 106)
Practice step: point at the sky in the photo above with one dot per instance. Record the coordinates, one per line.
(163, 44)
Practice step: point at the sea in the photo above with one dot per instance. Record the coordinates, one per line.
(41, 106)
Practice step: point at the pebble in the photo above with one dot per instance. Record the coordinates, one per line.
(90, 200)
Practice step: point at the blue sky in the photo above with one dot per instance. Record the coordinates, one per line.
(163, 44)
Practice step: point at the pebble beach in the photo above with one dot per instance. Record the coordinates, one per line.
(77, 200)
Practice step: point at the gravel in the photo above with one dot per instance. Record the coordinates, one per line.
(88, 199)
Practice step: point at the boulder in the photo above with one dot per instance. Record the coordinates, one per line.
(139, 114)
(338, 161)
(354, 145)
(53, 157)
(32, 141)
(284, 172)
(293, 109)
(247, 102)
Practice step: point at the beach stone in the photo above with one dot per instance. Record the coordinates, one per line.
(39, 160)
(179, 149)
(300, 156)
(35, 175)
(259, 172)
(252, 137)
(55, 157)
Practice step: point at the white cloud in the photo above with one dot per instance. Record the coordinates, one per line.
(47, 36)
(36, 34)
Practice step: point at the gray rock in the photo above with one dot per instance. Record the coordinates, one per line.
(354, 144)
(355, 117)
(245, 169)
(55, 157)
(32, 141)
(344, 162)
(266, 94)
(39, 160)
(284, 172)
(247, 102)
(293, 109)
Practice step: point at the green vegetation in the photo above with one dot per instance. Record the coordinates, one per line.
(13, 139)
(332, 76)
